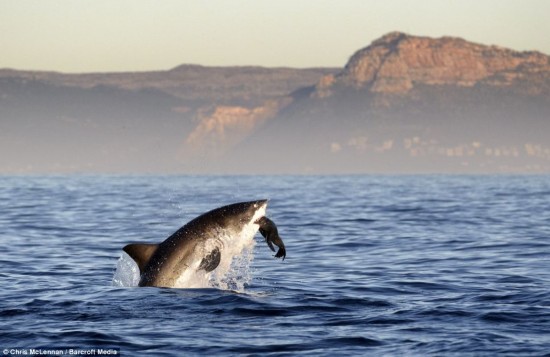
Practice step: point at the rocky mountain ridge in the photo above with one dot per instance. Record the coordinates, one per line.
(417, 104)
(403, 104)
(397, 62)
(132, 122)
(247, 85)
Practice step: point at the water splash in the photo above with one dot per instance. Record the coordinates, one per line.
(126, 273)
(238, 274)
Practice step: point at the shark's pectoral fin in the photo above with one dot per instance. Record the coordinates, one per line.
(141, 253)
(211, 261)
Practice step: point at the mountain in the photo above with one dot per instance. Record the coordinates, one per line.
(123, 122)
(411, 104)
(403, 104)
(193, 84)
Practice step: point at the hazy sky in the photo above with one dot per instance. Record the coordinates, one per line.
(137, 35)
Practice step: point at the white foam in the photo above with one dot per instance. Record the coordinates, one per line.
(234, 273)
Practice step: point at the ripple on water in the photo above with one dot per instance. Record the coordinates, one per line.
(377, 265)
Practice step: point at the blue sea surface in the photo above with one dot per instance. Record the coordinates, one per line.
(376, 265)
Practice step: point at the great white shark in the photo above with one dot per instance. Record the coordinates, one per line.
(198, 244)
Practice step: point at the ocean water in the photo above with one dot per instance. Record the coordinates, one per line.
(376, 265)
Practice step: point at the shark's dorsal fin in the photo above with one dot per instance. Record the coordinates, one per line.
(141, 253)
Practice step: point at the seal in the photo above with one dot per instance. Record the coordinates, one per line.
(269, 230)
(199, 244)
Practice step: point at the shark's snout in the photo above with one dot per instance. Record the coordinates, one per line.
(260, 203)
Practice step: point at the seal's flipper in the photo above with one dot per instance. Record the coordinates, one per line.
(265, 234)
(281, 253)
(268, 229)
(270, 245)
(141, 253)
(211, 261)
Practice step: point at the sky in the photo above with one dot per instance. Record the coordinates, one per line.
(140, 35)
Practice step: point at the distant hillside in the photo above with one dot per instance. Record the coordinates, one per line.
(123, 122)
(413, 104)
(193, 84)
(403, 104)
